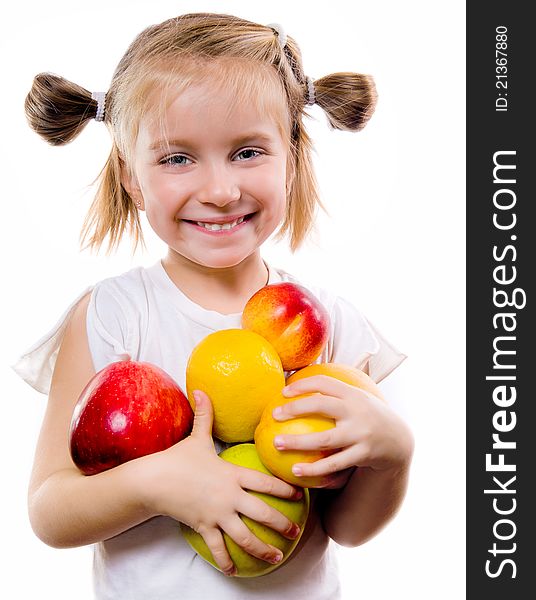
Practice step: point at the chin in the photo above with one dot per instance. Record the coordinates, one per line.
(222, 259)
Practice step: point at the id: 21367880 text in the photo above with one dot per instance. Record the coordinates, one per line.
(501, 68)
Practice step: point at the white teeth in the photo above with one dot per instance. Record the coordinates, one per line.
(222, 227)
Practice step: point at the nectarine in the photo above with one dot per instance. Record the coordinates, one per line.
(292, 319)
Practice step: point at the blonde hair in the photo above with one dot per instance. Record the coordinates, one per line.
(167, 57)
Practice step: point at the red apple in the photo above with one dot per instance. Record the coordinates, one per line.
(127, 410)
(292, 319)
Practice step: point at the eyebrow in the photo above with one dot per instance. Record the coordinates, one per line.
(254, 136)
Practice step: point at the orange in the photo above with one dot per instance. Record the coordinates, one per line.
(280, 462)
(344, 373)
(296, 510)
(240, 371)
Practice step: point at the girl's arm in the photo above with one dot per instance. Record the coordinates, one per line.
(369, 500)
(374, 450)
(187, 482)
(67, 508)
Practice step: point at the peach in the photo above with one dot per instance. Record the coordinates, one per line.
(292, 319)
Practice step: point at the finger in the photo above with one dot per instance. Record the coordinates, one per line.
(251, 479)
(216, 544)
(244, 537)
(330, 439)
(326, 466)
(203, 415)
(327, 406)
(257, 509)
(323, 384)
(337, 480)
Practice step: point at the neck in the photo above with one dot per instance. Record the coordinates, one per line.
(225, 289)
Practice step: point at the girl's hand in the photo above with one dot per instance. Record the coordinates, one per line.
(367, 432)
(192, 484)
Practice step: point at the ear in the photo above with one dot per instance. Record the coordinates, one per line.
(131, 185)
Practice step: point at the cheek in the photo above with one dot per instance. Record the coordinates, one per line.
(275, 185)
(159, 194)
(281, 206)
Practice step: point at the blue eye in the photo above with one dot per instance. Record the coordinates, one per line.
(175, 159)
(247, 154)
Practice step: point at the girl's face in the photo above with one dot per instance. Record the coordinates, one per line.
(215, 188)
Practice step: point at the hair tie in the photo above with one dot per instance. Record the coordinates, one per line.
(280, 32)
(100, 97)
(311, 92)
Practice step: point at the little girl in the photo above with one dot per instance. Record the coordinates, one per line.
(206, 117)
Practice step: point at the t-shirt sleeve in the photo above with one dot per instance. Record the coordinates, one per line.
(36, 365)
(110, 337)
(355, 341)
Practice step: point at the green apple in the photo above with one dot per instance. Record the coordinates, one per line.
(297, 511)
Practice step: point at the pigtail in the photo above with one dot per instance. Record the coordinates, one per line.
(58, 109)
(348, 99)
(113, 211)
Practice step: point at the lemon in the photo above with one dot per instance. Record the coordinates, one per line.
(280, 461)
(240, 371)
(296, 510)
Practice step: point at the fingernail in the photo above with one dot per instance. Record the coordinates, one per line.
(298, 495)
(278, 442)
(297, 470)
(295, 531)
(285, 390)
(277, 412)
(231, 572)
(276, 558)
(196, 395)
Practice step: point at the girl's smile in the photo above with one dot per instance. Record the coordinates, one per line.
(211, 177)
(221, 226)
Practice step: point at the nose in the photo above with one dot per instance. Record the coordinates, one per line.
(218, 186)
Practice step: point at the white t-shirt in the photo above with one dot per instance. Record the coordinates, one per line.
(142, 315)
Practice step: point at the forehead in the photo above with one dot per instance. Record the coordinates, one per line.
(198, 117)
(235, 87)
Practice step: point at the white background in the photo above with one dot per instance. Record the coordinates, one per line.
(393, 244)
